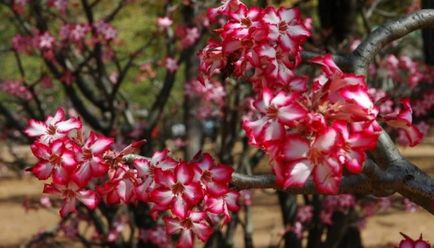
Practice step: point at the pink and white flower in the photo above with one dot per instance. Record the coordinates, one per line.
(91, 159)
(164, 22)
(285, 27)
(214, 177)
(54, 127)
(193, 224)
(177, 190)
(54, 160)
(223, 203)
(402, 119)
(302, 158)
(70, 194)
(275, 111)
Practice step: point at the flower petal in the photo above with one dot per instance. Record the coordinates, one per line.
(35, 128)
(184, 173)
(162, 197)
(68, 206)
(102, 144)
(295, 148)
(88, 198)
(298, 173)
(326, 181)
(180, 207)
(42, 170)
(68, 125)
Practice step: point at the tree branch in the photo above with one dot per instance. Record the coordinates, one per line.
(390, 31)
(402, 177)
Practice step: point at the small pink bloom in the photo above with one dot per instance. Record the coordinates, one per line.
(171, 64)
(164, 22)
(45, 41)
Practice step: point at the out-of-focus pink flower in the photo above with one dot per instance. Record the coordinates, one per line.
(45, 41)
(164, 22)
(60, 5)
(156, 236)
(188, 36)
(46, 202)
(19, 5)
(106, 30)
(16, 88)
(402, 119)
(171, 64)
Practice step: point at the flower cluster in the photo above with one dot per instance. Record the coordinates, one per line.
(402, 119)
(425, 104)
(266, 40)
(399, 117)
(196, 193)
(317, 132)
(69, 159)
(16, 88)
(20, 5)
(332, 204)
(211, 97)
(75, 35)
(403, 76)
(318, 128)
(84, 168)
(403, 70)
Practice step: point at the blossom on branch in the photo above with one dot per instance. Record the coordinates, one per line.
(84, 168)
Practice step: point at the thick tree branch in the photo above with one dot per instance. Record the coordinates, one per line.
(402, 177)
(390, 31)
(351, 184)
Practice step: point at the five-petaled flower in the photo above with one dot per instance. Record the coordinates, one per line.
(54, 127)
